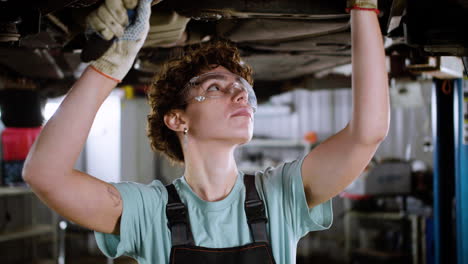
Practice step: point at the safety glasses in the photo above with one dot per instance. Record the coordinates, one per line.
(218, 85)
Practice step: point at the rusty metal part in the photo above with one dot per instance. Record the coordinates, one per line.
(83, 3)
(299, 9)
(287, 66)
(53, 5)
(9, 32)
(50, 6)
(337, 44)
(217, 14)
(56, 21)
(37, 63)
(7, 82)
(454, 49)
(273, 31)
(448, 67)
(8, 23)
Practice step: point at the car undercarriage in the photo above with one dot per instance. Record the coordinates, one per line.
(284, 41)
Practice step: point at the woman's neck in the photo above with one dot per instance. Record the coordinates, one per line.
(210, 170)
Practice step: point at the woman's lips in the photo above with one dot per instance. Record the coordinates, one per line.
(242, 112)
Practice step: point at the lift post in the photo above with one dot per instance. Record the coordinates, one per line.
(461, 168)
(443, 127)
(450, 135)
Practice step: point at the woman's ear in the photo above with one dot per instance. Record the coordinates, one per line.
(175, 121)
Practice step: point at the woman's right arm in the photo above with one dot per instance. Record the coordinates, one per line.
(49, 167)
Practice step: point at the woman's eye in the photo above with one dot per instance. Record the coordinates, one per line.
(213, 88)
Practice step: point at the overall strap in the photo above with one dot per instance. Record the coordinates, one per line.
(255, 211)
(177, 217)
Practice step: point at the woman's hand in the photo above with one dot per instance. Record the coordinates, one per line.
(111, 20)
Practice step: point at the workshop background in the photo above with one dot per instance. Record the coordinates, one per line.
(409, 206)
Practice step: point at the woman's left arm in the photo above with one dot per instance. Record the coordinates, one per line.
(336, 162)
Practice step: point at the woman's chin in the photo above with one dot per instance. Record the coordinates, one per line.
(243, 139)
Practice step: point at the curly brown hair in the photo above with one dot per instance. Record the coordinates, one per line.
(164, 93)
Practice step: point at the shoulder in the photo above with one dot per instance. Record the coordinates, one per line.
(134, 191)
(275, 182)
(281, 171)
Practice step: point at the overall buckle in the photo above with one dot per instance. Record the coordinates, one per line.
(176, 214)
(255, 210)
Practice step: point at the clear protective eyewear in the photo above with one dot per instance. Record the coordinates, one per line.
(217, 85)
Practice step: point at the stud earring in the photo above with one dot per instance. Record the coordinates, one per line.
(185, 135)
(200, 98)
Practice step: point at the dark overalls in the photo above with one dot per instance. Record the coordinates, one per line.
(183, 247)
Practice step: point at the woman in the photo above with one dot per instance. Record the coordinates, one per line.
(202, 109)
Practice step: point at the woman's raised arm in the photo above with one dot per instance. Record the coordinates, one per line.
(49, 167)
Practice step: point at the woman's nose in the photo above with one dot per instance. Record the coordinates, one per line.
(240, 94)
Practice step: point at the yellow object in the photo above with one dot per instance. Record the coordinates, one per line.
(129, 92)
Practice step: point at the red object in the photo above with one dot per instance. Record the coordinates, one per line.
(362, 8)
(352, 196)
(311, 137)
(17, 141)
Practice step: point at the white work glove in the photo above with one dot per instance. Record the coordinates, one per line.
(361, 4)
(111, 20)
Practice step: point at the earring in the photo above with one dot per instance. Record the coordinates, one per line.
(185, 135)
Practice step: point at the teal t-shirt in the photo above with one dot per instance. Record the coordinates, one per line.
(144, 234)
